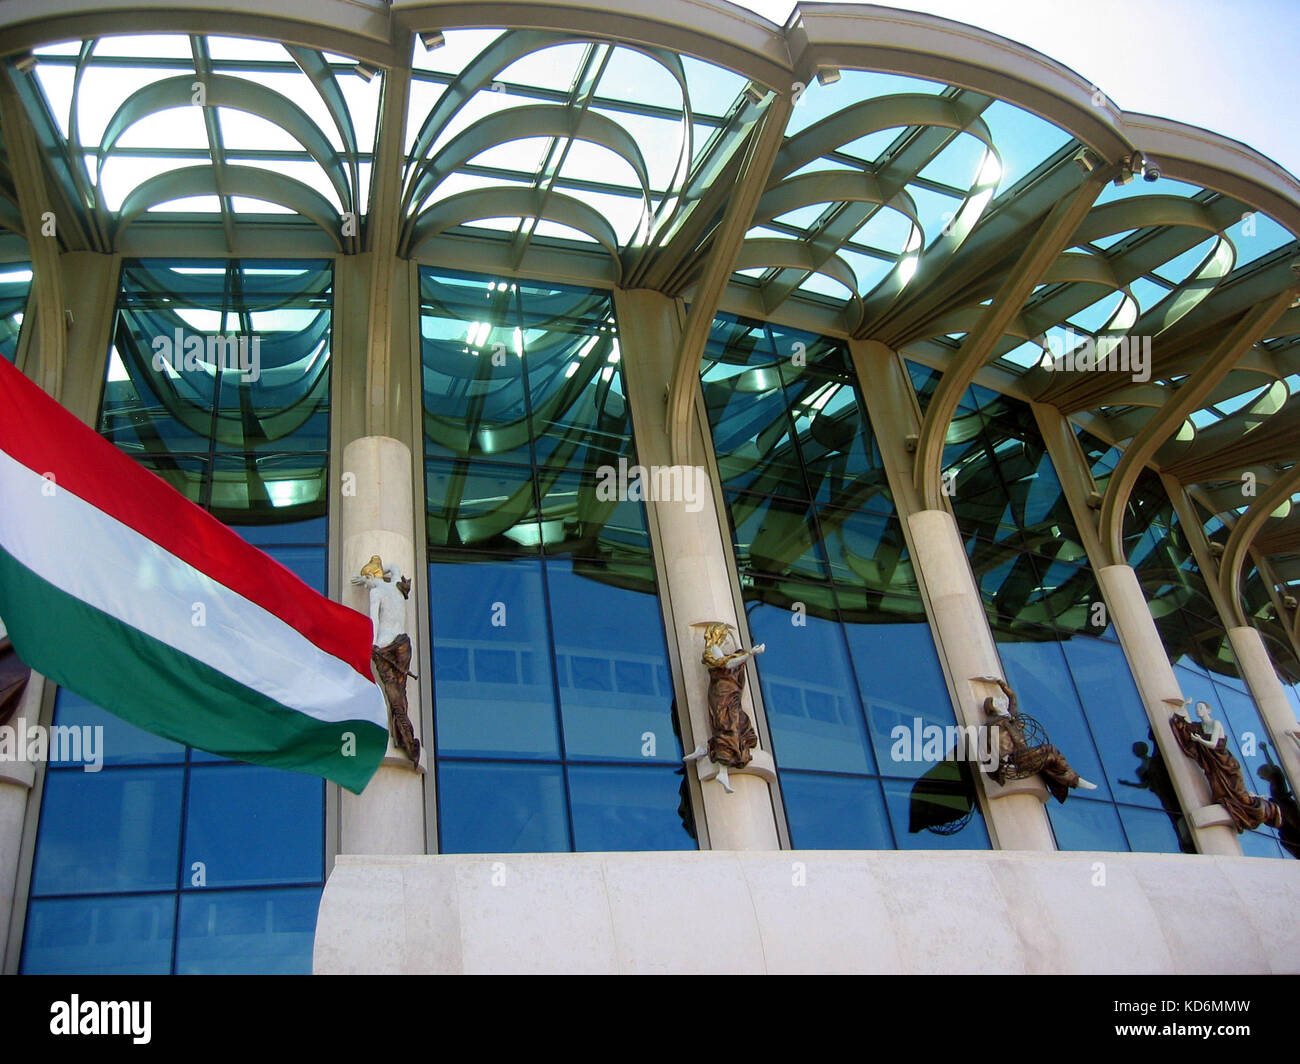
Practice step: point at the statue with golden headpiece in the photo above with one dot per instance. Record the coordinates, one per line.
(391, 651)
(733, 736)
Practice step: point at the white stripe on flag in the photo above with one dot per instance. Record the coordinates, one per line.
(95, 558)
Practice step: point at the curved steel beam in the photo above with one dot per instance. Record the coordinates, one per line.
(1043, 248)
(1249, 329)
(237, 181)
(1245, 531)
(514, 202)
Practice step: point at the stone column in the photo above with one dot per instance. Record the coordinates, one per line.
(1209, 822)
(1274, 707)
(17, 779)
(377, 516)
(1016, 817)
(697, 584)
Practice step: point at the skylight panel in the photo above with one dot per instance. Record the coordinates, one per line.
(1093, 318)
(56, 82)
(62, 48)
(246, 49)
(820, 284)
(712, 89)
(590, 162)
(123, 173)
(868, 148)
(1255, 236)
(634, 77)
(478, 106)
(869, 271)
(551, 68)
(458, 50)
(104, 89)
(362, 100)
(1178, 269)
(522, 156)
(144, 46)
(297, 88)
(886, 230)
(242, 131)
(460, 181)
(660, 141)
(1023, 140)
(175, 128)
(958, 164)
(1138, 187)
(817, 101)
(310, 174)
(188, 205)
(564, 232)
(624, 213)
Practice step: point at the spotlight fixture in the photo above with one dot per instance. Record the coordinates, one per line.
(26, 62)
(366, 73)
(1289, 601)
(1216, 549)
(911, 442)
(827, 76)
(754, 93)
(432, 39)
(1094, 500)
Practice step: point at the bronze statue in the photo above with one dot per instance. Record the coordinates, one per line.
(733, 736)
(1020, 758)
(1206, 743)
(391, 652)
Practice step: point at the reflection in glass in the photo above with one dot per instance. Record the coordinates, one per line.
(99, 936)
(253, 932)
(548, 640)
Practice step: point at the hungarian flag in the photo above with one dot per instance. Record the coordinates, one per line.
(121, 589)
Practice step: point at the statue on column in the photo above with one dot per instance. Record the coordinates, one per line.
(391, 652)
(1206, 743)
(1019, 756)
(733, 736)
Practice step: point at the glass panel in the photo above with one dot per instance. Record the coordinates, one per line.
(936, 812)
(99, 936)
(114, 830)
(247, 932)
(816, 723)
(493, 683)
(835, 812)
(630, 809)
(613, 641)
(500, 808)
(231, 804)
(1080, 824)
(1152, 832)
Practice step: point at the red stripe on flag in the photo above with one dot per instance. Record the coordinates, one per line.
(47, 439)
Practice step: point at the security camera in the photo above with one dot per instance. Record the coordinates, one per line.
(1151, 173)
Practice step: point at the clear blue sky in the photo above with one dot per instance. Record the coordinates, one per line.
(1230, 67)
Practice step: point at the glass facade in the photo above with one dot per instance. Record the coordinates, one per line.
(145, 866)
(15, 284)
(850, 666)
(1060, 654)
(1194, 637)
(553, 702)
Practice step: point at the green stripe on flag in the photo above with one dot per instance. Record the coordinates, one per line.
(164, 691)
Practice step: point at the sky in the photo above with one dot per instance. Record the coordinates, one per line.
(1229, 67)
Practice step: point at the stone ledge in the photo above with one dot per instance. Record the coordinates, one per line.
(807, 911)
